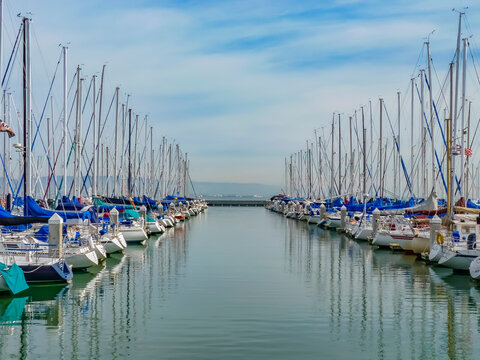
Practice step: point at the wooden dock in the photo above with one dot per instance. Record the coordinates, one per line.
(218, 202)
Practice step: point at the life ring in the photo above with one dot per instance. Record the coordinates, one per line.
(440, 238)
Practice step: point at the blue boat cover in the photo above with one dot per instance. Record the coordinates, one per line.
(33, 209)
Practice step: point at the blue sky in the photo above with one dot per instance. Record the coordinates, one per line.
(242, 84)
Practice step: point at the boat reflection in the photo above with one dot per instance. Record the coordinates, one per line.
(415, 310)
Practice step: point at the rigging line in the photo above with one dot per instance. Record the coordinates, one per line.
(97, 147)
(366, 165)
(436, 113)
(473, 61)
(418, 59)
(444, 85)
(398, 151)
(12, 53)
(44, 148)
(45, 105)
(435, 150)
(6, 173)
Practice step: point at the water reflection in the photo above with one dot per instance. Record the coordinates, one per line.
(103, 311)
(387, 304)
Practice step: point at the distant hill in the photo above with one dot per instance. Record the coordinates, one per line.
(212, 189)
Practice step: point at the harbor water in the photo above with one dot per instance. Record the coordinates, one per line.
(245, 283)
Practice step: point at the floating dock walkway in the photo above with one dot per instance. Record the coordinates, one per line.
(234, 202)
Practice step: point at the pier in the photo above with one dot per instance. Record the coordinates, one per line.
(235, 202)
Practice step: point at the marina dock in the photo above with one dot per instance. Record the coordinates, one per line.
(256, 203)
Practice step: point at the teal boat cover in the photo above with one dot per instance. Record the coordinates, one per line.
(14, 278)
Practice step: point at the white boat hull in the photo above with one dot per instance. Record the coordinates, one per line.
(100, 252)
(436, 252)
(458, 260)
(364, 233)
(155, 228)
(82, 260)
(475, 268)
(134, 234)
(112, 244)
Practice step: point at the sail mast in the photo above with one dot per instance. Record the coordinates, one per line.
(129, 181)
(432, 122)
(115, 149)
(65, 95)
(450, 170)
(339, 158)
(27, 190)
(94, 141)
(97, 170)
(457, 65)
(422, 123)
(411, 128)
(398, 149)
(364, 133)
(331, 167)
(380, 150)
(462, 137)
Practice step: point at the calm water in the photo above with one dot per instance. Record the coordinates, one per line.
(244, 283)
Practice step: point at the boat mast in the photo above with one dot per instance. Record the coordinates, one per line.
(5, 191)
(380, 149)
(457, 65)
(50, 189)
(129, 181)
(185, 175)
(422, 119)
(351, 158)
(398, 149)
(462, 138)
(122, 156)
(412, 80)
(331, 167)
(467, 173)
(450, 170)
(339, 158)
(371, 143)
(65, 95)
(135, 171)
(76, 157)
(432, 122)
(27, 190)
(364, 134)
(94, 142)
(152, 162)
(97, 169)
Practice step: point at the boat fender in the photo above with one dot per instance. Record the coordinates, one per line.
(440, 238)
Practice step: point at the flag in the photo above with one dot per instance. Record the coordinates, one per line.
(468, 152)
(5, 128)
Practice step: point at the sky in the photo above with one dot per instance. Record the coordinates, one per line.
(240, 85)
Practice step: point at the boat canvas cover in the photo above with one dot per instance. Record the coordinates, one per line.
(66, 204)
(129, 214)
(14, 278)
(33, 209)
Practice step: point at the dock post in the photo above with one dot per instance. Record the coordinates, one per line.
(376, 220)
(114, 219)
(323, 210)
(143, 215)
(55, 227)
(343, 217)
(435, 226)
